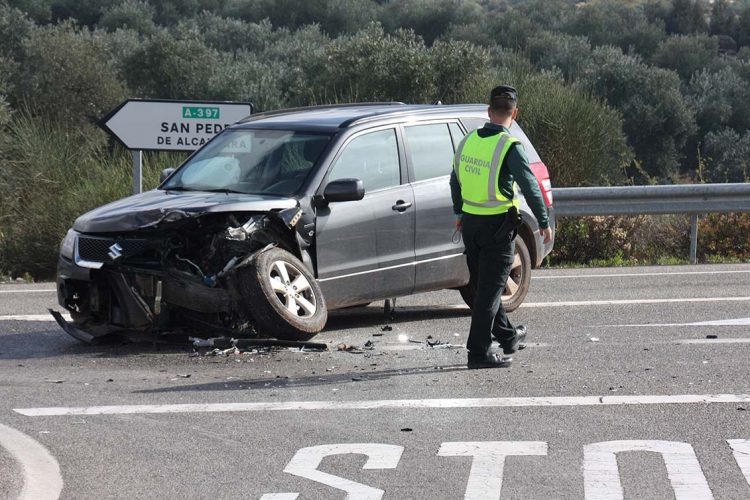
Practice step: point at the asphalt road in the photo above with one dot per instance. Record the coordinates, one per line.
(619, 393)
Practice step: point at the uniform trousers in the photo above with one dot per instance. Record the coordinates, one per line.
(489, 255)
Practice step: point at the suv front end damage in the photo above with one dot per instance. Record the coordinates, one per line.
(178, 272)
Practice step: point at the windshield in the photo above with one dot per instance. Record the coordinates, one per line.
(274, 162)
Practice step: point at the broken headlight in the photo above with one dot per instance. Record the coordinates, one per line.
(67, 247)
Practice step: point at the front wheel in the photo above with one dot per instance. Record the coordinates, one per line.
(518, 281)
(283, 297)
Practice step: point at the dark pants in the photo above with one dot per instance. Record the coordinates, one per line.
(490, 257)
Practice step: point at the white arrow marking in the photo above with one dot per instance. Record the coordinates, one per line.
(41, 472)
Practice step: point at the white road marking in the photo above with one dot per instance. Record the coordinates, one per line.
(32, 317)
(741, 450)
(29, 291)
(306, 461)
(41, 472)
(630, 275)
(634, 301)
(488, 461)
(387, 404)
(585, 303)
(719, 322)
(601, 476)
(713, 341)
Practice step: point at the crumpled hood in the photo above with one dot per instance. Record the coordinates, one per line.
(147, 209)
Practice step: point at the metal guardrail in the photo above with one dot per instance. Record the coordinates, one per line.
(693, 199)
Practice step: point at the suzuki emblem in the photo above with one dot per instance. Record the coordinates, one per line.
(115, 251)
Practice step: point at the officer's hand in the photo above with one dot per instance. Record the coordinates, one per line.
(459, 223)
(546, 234)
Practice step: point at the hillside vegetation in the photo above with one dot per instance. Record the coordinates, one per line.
(612, 92)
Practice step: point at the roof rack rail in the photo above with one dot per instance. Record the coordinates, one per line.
(375, 115)
(275, 112)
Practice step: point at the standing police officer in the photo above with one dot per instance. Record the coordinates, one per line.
(489, 163)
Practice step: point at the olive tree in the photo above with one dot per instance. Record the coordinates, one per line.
(132, 14)
(64, 75)
(613, 22)
(727, 156)
(687, 54)
(657, 119)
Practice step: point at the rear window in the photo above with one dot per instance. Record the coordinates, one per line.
(472, 123)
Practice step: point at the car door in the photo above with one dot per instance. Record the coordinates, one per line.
(365, 248)
(440, 262)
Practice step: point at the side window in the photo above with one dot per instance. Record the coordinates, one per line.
(473, 123)
(430, 150)
(373, 158)
(457, 134)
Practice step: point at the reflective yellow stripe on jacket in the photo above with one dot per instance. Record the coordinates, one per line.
(477, 165)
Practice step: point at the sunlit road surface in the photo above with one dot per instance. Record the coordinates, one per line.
(635, 384)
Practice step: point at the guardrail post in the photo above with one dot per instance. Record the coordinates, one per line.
(694, 239)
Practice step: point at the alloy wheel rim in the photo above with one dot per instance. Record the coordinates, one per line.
(515, 278)
(292, 289)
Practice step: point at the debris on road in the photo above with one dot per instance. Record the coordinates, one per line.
(594, 339)
(712, 336)
(406, 429)
(54, 381)
(349, 348)
(387, 328)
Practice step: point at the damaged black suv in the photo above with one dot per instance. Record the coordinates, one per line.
(281, 218)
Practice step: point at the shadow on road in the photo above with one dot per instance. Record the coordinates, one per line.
(351, 377)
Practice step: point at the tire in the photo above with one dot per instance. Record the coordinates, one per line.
(279, 309)
(518, 281)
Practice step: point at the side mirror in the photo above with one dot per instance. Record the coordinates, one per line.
(166, 173)
(344, 190)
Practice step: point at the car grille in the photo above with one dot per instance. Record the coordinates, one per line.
(98, 249)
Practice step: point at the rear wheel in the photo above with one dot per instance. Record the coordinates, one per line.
(518, 281)
(283, 297)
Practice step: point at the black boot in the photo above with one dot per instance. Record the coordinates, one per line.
(511, 346)
(488, 361)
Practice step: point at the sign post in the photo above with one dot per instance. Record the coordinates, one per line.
(163, 125)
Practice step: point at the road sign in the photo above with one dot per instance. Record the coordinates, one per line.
(162, 125)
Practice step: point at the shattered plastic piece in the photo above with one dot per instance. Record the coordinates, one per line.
(221, 342)
(183, 375)
(369, 345)
(348, 348)
(594, 339)
(54, 381)
(386, 328)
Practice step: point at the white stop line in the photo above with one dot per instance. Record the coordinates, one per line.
(41, 472)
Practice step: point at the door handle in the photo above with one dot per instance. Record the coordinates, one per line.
(401, 205)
